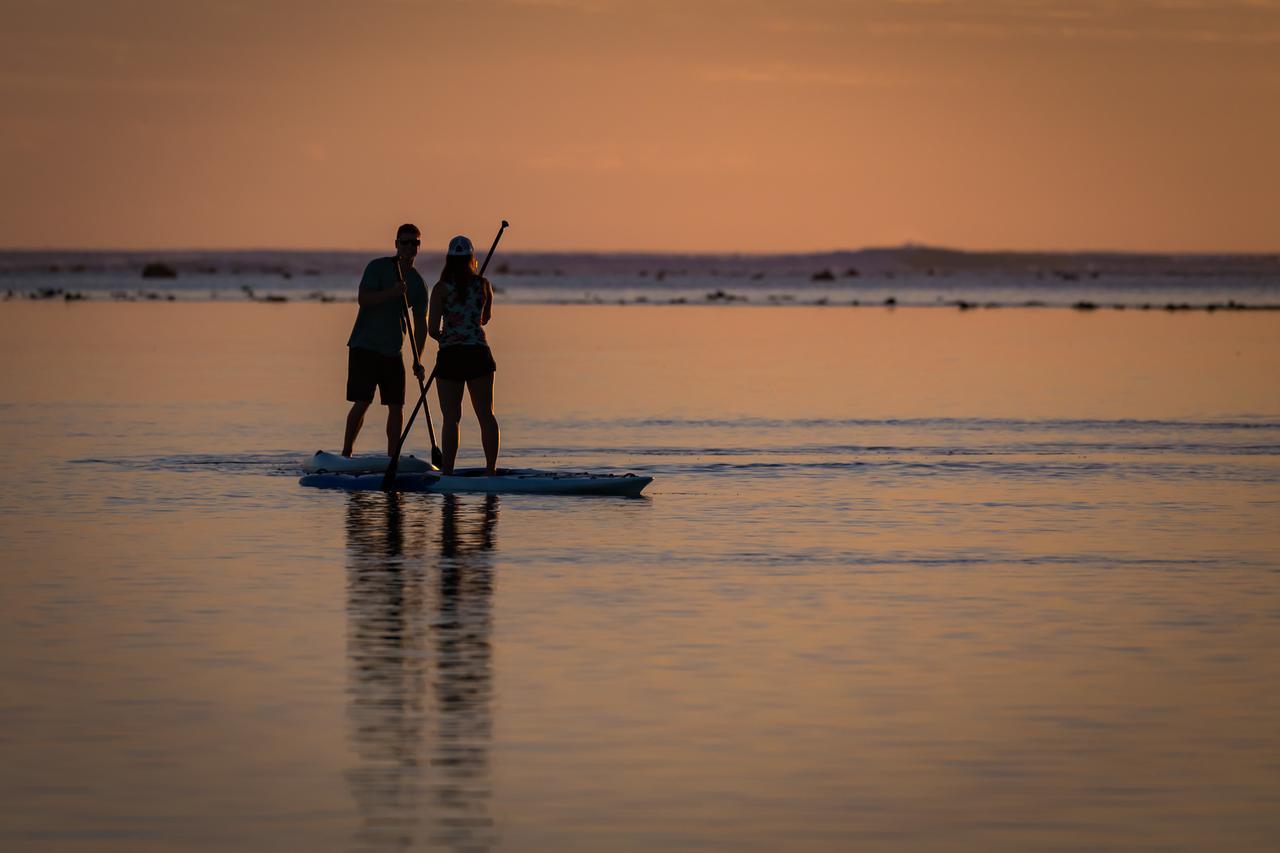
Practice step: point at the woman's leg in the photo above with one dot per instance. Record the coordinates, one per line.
(481, 390)
(450, 392)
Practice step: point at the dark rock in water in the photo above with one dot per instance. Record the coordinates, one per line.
(503, 268)
(159, 270)
(757, 276)
(1084, 306)
(274, 297)
(823, 275)
(248, 291)
(72, 297)
(891, 301)
(851, 272)
(964, 306)
(78, 268)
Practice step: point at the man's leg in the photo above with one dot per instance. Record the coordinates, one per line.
(355, 419)
(395, 421)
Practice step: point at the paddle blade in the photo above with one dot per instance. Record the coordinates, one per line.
(389, 477)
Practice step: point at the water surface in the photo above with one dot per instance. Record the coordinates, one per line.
(905, 580)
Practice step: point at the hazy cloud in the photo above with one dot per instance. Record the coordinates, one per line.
(781, 73)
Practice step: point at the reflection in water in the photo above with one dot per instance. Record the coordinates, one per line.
(419, 614)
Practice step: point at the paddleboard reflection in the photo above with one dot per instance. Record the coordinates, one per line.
(419, 623)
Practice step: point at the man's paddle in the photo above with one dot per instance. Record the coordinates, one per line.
(389, 478)
(393, 464)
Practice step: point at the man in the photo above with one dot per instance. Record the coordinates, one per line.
(373, 350)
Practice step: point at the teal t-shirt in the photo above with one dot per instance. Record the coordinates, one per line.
(381, 327)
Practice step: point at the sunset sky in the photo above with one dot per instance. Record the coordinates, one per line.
(700, 125)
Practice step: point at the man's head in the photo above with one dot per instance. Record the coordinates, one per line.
(408, 239)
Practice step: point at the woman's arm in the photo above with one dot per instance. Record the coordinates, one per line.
(486, 314)
(435, 311)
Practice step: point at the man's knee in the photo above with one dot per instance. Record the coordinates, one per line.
(360, 407)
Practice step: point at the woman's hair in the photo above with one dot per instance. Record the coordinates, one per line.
(458, 270)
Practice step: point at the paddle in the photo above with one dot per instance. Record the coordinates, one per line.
(393, 464)
(436, 457)
(388, 479)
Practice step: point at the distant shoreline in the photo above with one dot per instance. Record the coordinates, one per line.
(868, 261)
(905, 277)
(58, 295)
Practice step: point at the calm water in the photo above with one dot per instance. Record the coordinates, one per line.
(906, 580)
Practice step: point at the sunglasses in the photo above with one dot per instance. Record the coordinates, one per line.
(409, 242)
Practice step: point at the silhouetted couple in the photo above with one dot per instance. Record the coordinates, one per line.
(455, 314)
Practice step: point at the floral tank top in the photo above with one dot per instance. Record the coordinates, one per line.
(463, 307)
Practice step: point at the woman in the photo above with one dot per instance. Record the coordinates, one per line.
(461, 305)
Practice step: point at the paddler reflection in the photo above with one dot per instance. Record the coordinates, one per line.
(419, 616)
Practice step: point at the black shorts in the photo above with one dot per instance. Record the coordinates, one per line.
(460, 363)
(367, 369)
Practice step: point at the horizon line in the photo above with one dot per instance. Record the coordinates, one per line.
(904, 247)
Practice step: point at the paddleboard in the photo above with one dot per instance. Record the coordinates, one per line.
(361, 463)
(526, 481)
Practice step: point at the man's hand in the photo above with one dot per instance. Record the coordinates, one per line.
(420, 372)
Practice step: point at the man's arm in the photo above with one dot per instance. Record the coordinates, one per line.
(420, 327)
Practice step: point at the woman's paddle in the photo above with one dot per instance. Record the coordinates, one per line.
(393, 464)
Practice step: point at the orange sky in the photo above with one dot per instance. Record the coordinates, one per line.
(701, 125)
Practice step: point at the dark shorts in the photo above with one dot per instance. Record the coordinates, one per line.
(461, 363)
(367, 370)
